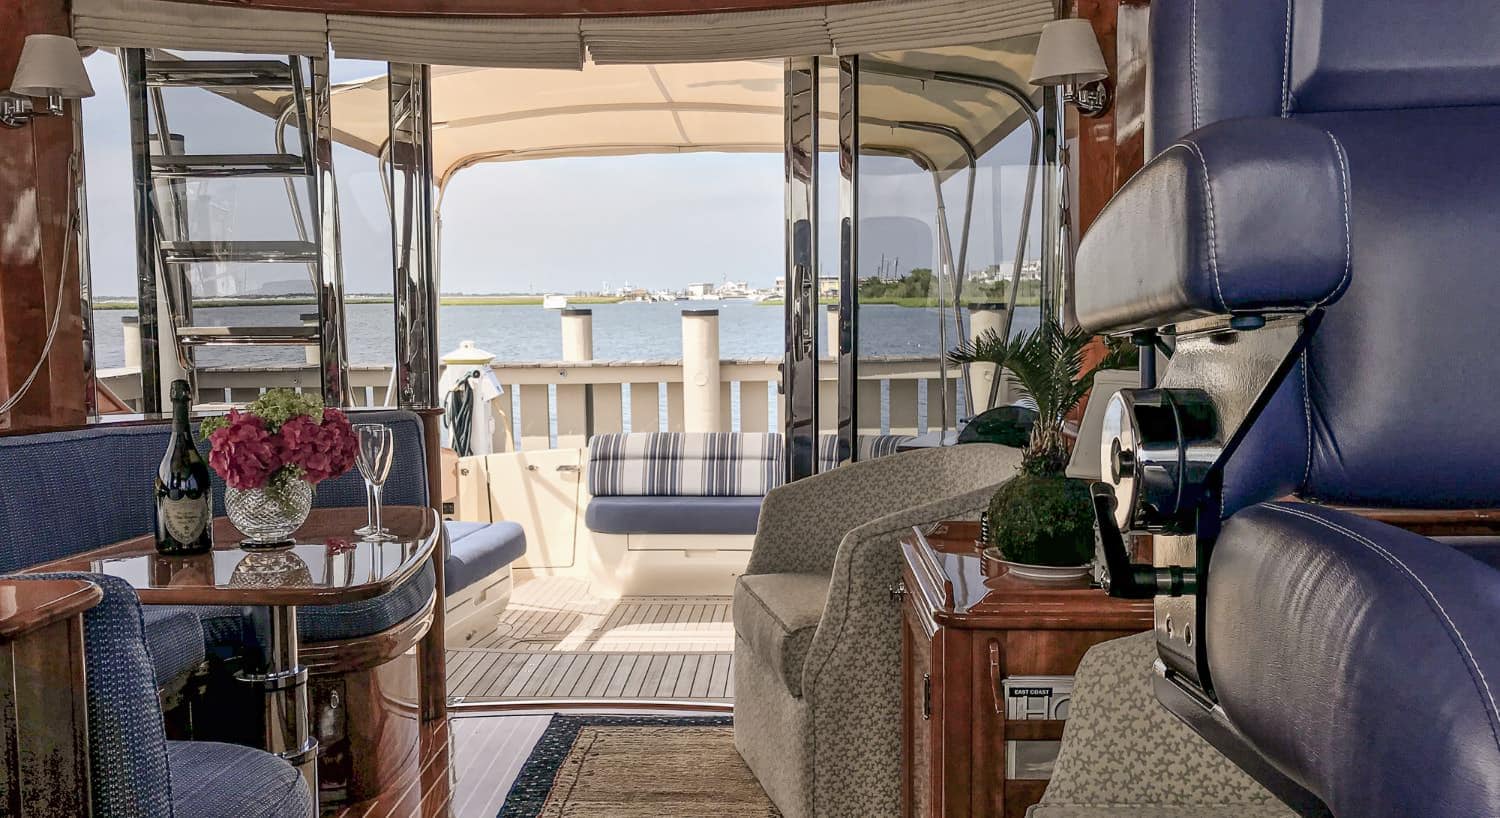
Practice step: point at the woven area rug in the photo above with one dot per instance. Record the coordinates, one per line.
(637, 767)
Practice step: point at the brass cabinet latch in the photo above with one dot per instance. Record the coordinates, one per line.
(898, 591)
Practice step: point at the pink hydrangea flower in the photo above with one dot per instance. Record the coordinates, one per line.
(343, 444)
(243, 452)
(321, 450)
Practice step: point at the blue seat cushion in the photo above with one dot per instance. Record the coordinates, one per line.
(175, 638)
(223, 628)
(213, 780)
(477, 550)
(673, 515)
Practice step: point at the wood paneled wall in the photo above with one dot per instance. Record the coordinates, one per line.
(1105, 151)
(1108, 149)
(33, 221)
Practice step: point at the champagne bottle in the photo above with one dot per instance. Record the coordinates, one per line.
(184, 493)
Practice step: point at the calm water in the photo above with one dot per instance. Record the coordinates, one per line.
(621, 331)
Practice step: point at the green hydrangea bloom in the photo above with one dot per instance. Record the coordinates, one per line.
(277, 406)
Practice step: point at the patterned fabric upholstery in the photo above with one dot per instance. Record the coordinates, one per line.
(44, 505)
(47, 511)
(870, 447)
(1111, 811)
(828, 753)
(777, 615)
(222, 626)
(127, 744)
(212, 780)
(682, 464)
(1124, 754)
(175, 638)
(700, 464)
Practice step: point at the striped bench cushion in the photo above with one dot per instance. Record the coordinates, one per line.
(694, 464)
(870, 447)
(685, 464)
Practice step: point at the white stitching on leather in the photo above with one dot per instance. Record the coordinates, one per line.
(1307, 412)
(1193, 65)
(1286, 64)
(1338, 150)
(1476, 673)
(1213, 229)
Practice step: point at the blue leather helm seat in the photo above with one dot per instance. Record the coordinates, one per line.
(1335, 158)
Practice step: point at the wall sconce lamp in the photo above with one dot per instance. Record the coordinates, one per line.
(50, 68)
(1068, 55)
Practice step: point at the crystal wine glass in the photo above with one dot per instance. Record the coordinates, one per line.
(369, 526)
(376, 448)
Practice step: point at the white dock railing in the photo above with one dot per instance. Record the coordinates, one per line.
(548, 400)
(550, 403)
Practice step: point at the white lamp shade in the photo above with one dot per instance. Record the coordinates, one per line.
(1067, 54)
(51, 65)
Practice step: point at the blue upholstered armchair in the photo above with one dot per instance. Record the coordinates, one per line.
(136, 772)
(1315, 240)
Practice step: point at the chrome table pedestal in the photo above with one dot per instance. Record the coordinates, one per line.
(271, 664)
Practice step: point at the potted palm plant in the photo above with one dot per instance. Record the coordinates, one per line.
(1041, 522)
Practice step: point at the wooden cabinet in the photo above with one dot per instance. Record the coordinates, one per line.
(43, 700)
(964, 634)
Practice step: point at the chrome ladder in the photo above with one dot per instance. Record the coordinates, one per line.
(166, 250)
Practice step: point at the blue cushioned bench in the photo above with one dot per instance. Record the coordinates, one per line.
(695, 483)
(676, 513)
(62, 493)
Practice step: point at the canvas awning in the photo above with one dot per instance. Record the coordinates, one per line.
(501, 115)
(844, 27)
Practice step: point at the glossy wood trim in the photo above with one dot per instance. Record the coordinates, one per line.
(525, 8)
(44, 767)
(1008, 603)
(366, 652)
(433, 654)
(1435, 522)
(323, 523)
(1037, 730)
(34, 195)
(28, 605)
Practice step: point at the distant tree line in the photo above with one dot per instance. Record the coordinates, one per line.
(919, 287)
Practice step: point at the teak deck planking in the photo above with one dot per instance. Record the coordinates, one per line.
(556, 641)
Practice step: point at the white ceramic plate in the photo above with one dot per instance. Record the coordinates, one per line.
(1042, 573)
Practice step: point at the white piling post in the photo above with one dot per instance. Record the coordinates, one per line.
(311, 352)
(831, 349)
(130, 331)
(577, 334)
(701, 406)
(169, 368)
(985, 318)
(490, 430)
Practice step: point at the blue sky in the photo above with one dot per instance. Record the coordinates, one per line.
(555, 225)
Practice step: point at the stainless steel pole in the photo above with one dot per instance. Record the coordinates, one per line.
(848, 316)
(414, 236)
(799, 379)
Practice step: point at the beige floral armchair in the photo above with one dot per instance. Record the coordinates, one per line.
(1125, 756)
(817, 671)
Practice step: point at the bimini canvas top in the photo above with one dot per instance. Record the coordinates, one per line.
(509, 114)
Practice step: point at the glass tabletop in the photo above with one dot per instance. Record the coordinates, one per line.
(328, 564)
